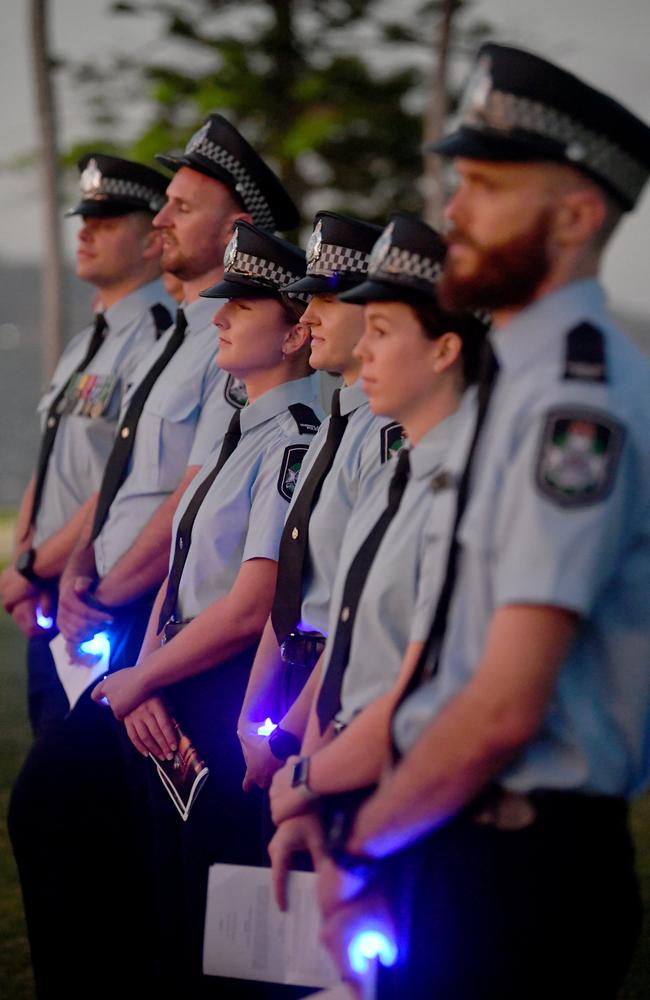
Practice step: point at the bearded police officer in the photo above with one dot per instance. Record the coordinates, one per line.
(118, 253)
(526, 729)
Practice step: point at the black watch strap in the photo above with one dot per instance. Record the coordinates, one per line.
(283, 744)
(25, 565)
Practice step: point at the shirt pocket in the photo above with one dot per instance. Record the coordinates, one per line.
(167, 434)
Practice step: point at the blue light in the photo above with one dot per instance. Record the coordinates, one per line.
(99, 645)
(43, 620)
(267, 728)
(368, 945)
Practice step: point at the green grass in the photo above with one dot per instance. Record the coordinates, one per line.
(15, 975)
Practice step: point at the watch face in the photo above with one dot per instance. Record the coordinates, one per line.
(25, 561)
(300, 772)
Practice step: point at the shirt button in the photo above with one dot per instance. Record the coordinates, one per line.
(51, 422)
(125, 432)
(345, 614)
(295, 533)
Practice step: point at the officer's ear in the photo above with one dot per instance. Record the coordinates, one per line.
(296, 338)
(579, 217)
(447, 351)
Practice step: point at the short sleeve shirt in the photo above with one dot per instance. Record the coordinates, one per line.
(385, 621)
(559, 515)
(92, 403)
(368, 442)
(184, 418)
(243, 513)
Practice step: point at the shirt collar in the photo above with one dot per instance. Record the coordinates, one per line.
(199, 313)
(540, 329)
(120, 315)
(433, 449)
(273, 402)
(352, 397)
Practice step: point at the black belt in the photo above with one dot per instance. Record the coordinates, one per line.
(303, 648)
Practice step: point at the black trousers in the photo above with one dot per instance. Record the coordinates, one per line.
(551, 911)
(47, 702)
(75, 841)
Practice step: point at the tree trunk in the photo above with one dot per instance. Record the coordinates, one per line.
(51, 297)
(434, 119)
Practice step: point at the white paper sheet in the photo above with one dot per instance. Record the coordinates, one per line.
(247, 937)
(75, 677)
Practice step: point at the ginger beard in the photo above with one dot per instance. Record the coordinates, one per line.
(505, 275)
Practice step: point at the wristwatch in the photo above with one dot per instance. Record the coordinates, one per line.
(300, 777)
(25, 565)
(283, 744)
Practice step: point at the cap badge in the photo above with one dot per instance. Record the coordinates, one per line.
(198, 137)
(381, 249)
(231, 252)
(478, 90)
(315, 244)
(91, 180)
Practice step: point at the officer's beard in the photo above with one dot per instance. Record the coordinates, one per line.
(504, 276)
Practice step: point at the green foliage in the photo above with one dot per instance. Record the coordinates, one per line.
(330, 91)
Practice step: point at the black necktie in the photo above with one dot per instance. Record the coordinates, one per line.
(54, 416)
(329, 697)
(285, 613)
(118, 460)
(427, 664)
(184, 532)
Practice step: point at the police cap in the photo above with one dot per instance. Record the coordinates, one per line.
(337, 254)
(219, 151)
(257, 265)
(111, 186)
(520, 107)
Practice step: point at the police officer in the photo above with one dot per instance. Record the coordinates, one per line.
(70, 804)
(345, 457)
(526, 729)
(118, 253)
(207, 620)
(417, 361)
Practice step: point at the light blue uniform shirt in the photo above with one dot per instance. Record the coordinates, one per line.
(86, 429)
(243, 513)
(358, 461)
(386, 615)
(560, 516)
(184, 418)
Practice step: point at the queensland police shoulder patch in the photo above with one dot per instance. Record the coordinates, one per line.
(290, 468)
(391, 440)
(578, 456)
(235, 392)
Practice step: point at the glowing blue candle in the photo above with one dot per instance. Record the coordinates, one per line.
(99, 645)
(267, 727)
(43, 620)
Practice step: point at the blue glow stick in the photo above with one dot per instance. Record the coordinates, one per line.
(43, 620)
(267, 727)
(370, 944)
(99, 645)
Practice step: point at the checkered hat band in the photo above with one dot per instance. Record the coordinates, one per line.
(505, 112)
(404, 262)
(248, 266)
(127, 189)
(253, 199)
(334, 259)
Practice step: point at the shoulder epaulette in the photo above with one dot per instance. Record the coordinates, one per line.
(161, 317)
(585, 354)
(306, 419)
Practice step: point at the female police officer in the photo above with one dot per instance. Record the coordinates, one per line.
(417, 360)
(213, 606)
(343, 461)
